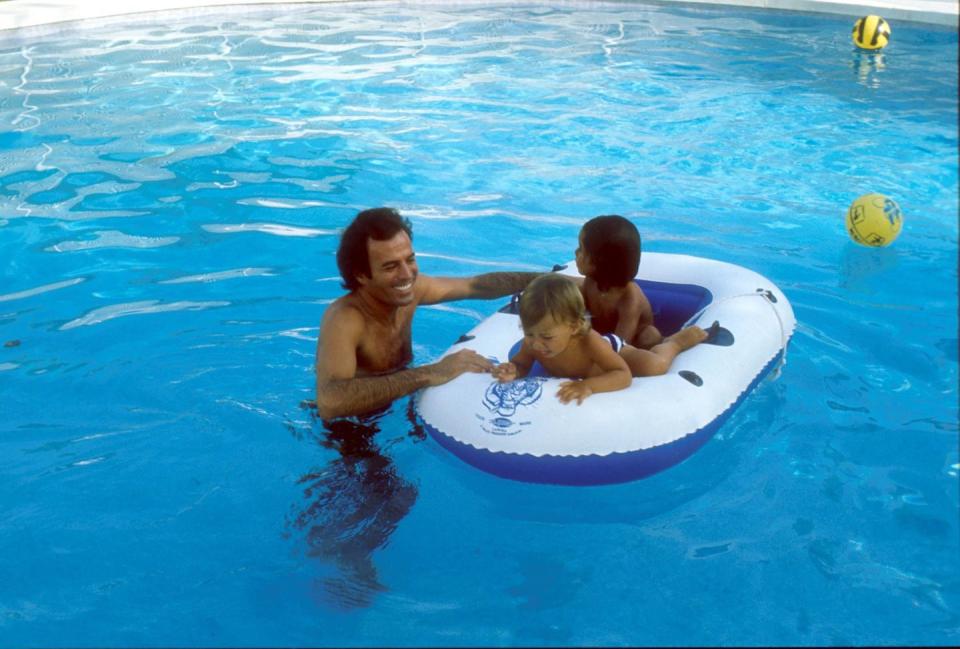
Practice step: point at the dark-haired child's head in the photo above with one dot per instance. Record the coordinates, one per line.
(609, 251)
(378, 224)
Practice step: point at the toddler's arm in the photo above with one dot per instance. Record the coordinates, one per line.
(518, 367)
(616, 373)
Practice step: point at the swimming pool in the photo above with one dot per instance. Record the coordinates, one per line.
(170, 199)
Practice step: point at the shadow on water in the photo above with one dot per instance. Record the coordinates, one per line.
(758, 424)
(351, 506)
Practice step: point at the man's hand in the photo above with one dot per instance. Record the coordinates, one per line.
(505, 372)
(570, 390)
(452, 366)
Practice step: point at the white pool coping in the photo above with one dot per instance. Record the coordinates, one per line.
(26, 14)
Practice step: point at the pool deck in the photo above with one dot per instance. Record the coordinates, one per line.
(20, 14)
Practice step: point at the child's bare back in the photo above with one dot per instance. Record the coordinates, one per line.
(624, 311)
(608, 256)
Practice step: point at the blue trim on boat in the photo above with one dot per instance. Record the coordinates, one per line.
(588, 470)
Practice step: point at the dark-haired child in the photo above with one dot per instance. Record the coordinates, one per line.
(608, 256)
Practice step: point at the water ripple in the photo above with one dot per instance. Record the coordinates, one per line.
(287, 204)
(113, 239)
(267, 228)
(103, 314)
(41, 289)
(222, 275)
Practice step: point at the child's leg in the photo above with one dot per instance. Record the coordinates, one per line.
(658, 359)
(647, 337)
(691, 336)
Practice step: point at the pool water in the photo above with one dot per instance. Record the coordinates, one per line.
(171, 193)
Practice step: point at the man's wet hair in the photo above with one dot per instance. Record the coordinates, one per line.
(379, 224)
(613, 245)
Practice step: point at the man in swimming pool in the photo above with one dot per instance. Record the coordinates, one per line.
(364, 348)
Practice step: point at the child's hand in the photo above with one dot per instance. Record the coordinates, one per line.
(570, 390)
(504, 372)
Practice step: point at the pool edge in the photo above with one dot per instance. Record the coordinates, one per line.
(18, 15)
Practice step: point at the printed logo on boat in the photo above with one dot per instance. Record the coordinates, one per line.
(503, 400)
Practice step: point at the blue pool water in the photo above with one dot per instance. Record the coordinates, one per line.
(170, 198)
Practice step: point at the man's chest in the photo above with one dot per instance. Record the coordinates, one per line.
(386, 347)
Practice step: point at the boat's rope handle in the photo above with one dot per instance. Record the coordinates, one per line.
(760, 292)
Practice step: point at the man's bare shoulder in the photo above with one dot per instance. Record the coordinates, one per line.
(344, 312)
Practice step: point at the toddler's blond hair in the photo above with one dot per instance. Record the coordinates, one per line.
(556, 296)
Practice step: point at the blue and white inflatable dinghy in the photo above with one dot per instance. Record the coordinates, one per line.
(520, 430)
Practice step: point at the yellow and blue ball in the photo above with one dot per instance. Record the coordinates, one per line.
(871, 33)
(874, 220)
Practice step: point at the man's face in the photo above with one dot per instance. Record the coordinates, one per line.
(393, 270)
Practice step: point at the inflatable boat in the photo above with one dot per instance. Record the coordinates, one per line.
(520, 430)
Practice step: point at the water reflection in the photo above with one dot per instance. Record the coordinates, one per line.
(352, 505)
(868, 66)
(864, 269)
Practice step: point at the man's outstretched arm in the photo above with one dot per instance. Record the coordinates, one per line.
(482, 287)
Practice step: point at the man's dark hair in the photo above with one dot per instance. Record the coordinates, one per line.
(613, 245)
(379, 224)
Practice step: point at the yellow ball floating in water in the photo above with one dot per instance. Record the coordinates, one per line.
(871, 33)
(874, 220)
